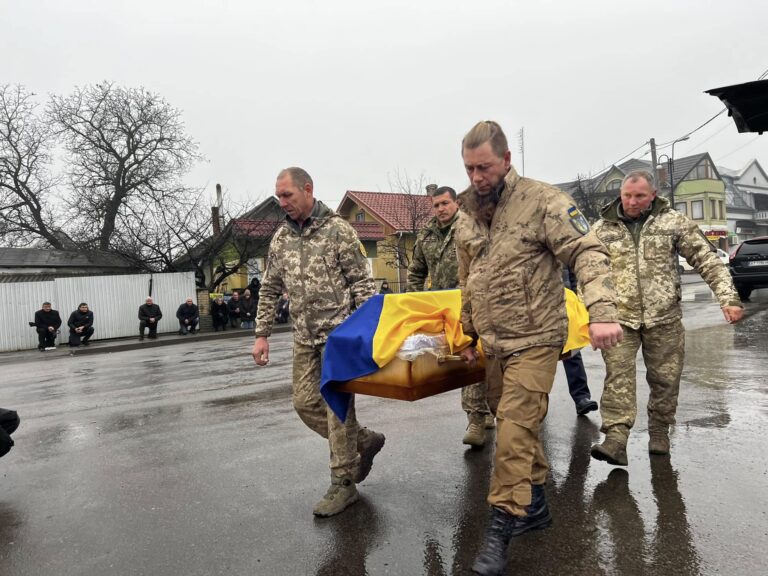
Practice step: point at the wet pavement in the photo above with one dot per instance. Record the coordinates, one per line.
(188, 460)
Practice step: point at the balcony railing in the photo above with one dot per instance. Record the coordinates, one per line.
(761, 215)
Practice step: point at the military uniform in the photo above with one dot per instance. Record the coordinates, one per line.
(434, 257)
(323, 269)
(644, 259)
(513, 300)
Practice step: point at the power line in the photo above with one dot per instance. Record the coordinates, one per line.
(737, 149)
(728, 124)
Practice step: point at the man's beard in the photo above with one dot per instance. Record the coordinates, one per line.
(486, 205)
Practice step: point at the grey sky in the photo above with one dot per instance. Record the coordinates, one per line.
(355, 91)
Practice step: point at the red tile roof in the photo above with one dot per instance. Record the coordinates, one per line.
(257, 228)
(368, 230)
(401, 212)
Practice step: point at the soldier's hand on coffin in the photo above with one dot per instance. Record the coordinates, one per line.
(733, 314)
(605, 335)
(260, 351)
(470, 355)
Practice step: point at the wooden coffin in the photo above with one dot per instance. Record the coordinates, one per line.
(424, 376)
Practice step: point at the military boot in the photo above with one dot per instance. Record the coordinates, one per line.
(492, 560)
(611, 451)
(537, 513)
(370, 445)
(475, 435)
(342, 493)
(490, 422)
(658, 439)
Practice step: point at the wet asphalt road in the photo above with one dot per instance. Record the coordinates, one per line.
(187, 460)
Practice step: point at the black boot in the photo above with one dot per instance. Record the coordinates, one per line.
(537, 516)
(493, 559)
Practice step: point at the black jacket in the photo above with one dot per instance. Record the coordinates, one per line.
(231, 305)
(45, 319)
(248, 305)
(147, 311)
(77, 319)
(219, 310)
(187, 312)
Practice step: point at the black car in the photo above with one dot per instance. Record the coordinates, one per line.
(749, 266)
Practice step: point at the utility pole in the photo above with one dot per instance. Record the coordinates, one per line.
(521, 135)
(653, 163)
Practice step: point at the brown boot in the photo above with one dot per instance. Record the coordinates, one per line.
(341, 494)
(368, 447)
(475, 435)
(611, 451)
(658, 439)
(490, 421)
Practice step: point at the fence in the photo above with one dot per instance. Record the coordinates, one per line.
(114, 300)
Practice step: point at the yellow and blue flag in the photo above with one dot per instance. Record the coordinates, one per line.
(374, 333)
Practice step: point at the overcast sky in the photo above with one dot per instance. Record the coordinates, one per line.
(356, 91)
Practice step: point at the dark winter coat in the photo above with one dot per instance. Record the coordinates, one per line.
(187, 312)
(78, 319)
(219, 311)
(248, 306)
(45, 319)
(234, 308)
(147, 311)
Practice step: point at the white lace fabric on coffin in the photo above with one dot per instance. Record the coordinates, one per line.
(420, 343)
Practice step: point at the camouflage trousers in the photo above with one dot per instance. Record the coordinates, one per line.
(663, 351)
(318, 416)
(473, 399)
(518, 393)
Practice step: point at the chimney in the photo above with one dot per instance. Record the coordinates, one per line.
(431, 189)
(218, 195)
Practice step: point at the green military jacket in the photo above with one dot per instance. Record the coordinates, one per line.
(510, 271)
(324, 271)
(645, 268)
(434, 255)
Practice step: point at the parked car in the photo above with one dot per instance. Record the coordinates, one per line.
(683, 265)
(749, 266)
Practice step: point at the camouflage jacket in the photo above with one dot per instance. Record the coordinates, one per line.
(511, 271)
(434, 255)
(324, 271)
(645, 270)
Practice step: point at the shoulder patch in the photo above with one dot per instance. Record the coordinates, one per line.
(578, 221)
(362, 250)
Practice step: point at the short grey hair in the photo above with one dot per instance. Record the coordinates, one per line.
(299, 176)
(636, 175)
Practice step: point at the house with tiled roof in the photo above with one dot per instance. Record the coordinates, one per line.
(387, 224)
(699, 191)
(746, 193)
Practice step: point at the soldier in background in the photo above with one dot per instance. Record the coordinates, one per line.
(644, 236)
(434, 257)
(511, 244)
(317, 258)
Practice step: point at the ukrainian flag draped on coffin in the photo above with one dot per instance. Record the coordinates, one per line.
(374, 333)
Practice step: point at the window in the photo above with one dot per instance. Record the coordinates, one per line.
(681, 207)
(713, 210)
(697, 209)
(613, 185)
(703, 171)
(722, 209)
(360, 216)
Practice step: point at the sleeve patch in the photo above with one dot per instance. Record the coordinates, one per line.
(578, 221)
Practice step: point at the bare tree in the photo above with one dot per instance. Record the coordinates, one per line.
(26, 186)
(588, 200)
(127, 149)
(414, 212)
